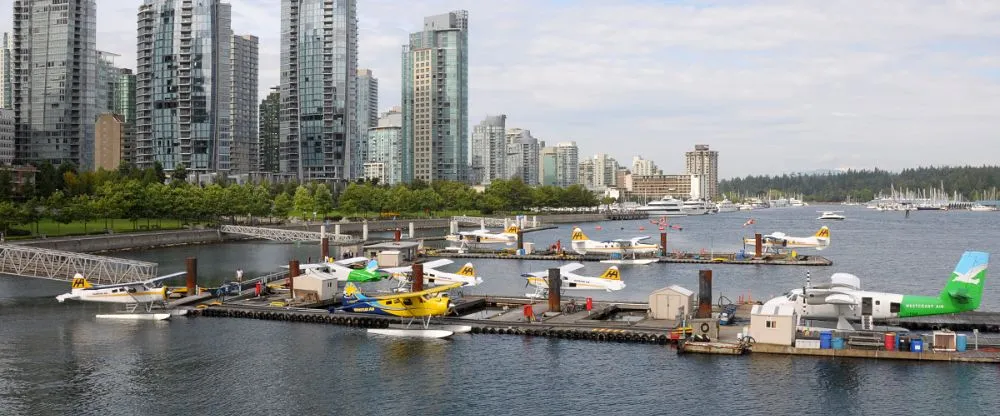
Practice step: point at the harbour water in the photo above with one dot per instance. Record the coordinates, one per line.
(58, 359)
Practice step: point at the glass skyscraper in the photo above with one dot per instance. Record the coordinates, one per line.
(319, 49)
(243, 106)
(124, 105)
(54, 76)
(183, 84)
(436, 100)
(6, 94)
(270, 112)
(367, 118)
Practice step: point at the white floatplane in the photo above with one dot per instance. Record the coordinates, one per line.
(145, 293)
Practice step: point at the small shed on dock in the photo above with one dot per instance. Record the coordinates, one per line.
(771, 324)
(406, 250)
(315, 287)
(668, 302)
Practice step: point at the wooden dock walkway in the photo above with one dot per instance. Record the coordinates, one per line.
(722, 258)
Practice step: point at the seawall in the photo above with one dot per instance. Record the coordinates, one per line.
(131, 241)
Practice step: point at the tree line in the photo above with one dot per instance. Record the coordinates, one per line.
(65, 195)
(864, 185)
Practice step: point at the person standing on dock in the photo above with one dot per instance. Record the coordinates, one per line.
(239, 276)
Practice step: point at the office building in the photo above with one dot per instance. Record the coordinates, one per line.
(270, 125)
(547, 160)
(599, 172)
(489, 149)
(522, 156)
(6, 94)
(319, 51)
(183, 94)
(54, 81)
(644, 167)
(243, 109)
(6, 137)
(385, 149)
(124, 105)
(567, 162)
(705, 162)
(367, 118)
(436, 100)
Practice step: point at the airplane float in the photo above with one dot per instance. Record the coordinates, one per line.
(583, 245)
(347, 270)
(420, 305)
(842, 300)
(779, 240)
(484, 236)
(133, 294)
(609, 281)
(433, 277)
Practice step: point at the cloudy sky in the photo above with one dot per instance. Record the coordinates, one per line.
(774, 86)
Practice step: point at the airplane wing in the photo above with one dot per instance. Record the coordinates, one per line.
(410, 295)
(350, 261)
(308, 266)
(569, 268)
(162, 278)
(144, 282)
(841, 299)
(636, 240)
(776, 236)
(436, 263)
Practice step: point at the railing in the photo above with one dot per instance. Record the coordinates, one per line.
(277, 234)
(59, 265)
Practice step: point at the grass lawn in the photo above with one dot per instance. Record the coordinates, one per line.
(52, 228)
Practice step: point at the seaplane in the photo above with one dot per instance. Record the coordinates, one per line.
(842, 299)
(484, 236)
(357, 269)
(609, 281)
(146, 293)
(422, 306)
(779, 240)
(634, 246)
(434, 277)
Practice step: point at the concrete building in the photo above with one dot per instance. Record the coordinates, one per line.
(109, 141)
(522, 156)
(183, 94)
(367, 117)
(436, 99)
(567, 162)
(598, 173)
(124, 105)
(270, 111)
(653, 187)
(385, 147)
(6, 137)
(243, 62)
(703, 161)
(547, 160)
(489, 149)
(6, 94)
(319, 66)
(54, 80)
(644, 167)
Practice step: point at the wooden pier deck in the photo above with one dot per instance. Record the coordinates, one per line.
(721, 258)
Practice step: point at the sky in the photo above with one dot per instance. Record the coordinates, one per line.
(775, 86)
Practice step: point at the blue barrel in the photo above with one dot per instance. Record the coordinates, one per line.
(825, 339)
(838, 343)
(916, 345)
(961, 340)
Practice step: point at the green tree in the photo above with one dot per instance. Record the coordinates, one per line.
(46, 180)
(6, 185)
(323, 200)
(179, 175)
(10, 215)
(161, 176)
(354, 199)
(282, 206)
(304, 202)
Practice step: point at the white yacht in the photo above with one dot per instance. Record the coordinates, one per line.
(982, 208)
(668, 206)
(830, 215)
(697, 207)
(726, 206)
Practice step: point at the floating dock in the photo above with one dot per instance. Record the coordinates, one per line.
(966, 356)
(720, 258)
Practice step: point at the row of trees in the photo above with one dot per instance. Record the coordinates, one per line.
(66, 196)
(864, 185)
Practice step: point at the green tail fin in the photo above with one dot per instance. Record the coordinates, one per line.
(965, 288)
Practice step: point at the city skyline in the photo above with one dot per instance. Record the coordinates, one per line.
(753, 80)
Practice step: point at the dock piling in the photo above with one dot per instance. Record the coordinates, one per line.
(192, 275)
(704, 294)
(663, 244)
(520, 240)
(364, 231)
(293, 271)
(397, 235)
(336, 229)
(418, 278)
(324, 247)
(412, 231)
(555, 286)
(757, 245)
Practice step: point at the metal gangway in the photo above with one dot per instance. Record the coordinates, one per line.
(521, 221)
(278, 234)
(59, 265)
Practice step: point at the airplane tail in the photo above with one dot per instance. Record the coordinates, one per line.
(79, 282)
(352, 291)
(512, 230)
(578, 235)
(965, 288)
(467, 270)
(611, 274)
(824, 232)
(372, 265)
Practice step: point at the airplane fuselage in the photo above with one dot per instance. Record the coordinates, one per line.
(418, 307)
(879, 305)
(483, 238)
(435, 278)
(579, 283)
(791, 242)
(124, 294)
(607, 247)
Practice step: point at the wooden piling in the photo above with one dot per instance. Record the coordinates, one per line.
(192, 275)
(704, 294)
(663, 244)
(324, 247)
(293, 271)
(758, 246)
(520, 239)
(555, 286)
(418, 278)
(397, 235)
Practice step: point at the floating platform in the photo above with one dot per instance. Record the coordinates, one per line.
(723, 348)
(967, 356)
(625, 216)
(721, 258)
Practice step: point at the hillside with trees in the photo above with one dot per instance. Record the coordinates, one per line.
(972, 182)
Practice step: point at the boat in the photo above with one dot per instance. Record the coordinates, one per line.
(412, 333)
(136, 316)
(830, 215)
(668, 206)
(726, 206)
(697, 207)
(630, 261)
(981, 208)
